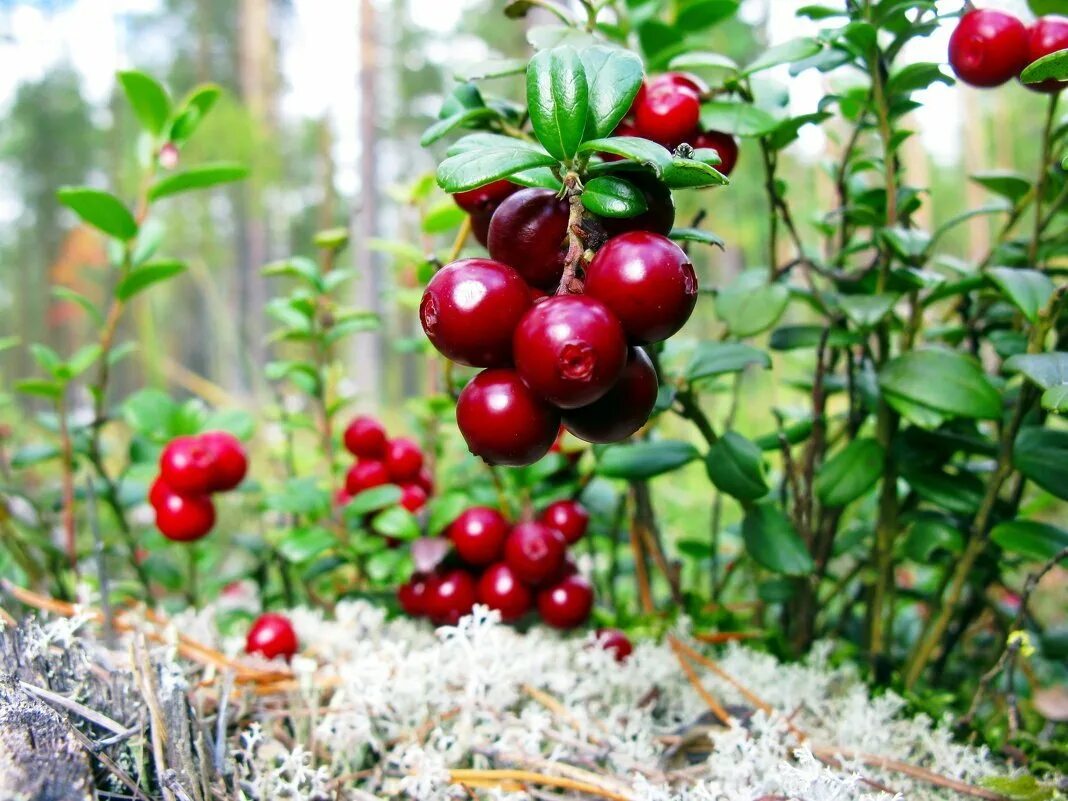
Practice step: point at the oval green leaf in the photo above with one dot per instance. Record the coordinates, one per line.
(642, 460)
(558, 98)
(770, 538)
(850, 473)
(100, 209)
(736, 466)
(609, 196)
(945, 382)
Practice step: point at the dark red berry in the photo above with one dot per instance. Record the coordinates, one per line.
(528, 232)
(500, 589)
(1048, 35)
(566, 604)
(724, 144)
(659, 217)
(187, 465)
(503, 421)
(413, 497)
(404, 460)
(364, 475)
(988, 47)
(158, 492)
(570, 518)
(230, 461)
(667, 112)
(365, 438)
(480, 223)
(484, 198)
(450, 596)
(470, 309)
(412, 595)
(478, 535)
(570, 349)
(615, 642)
(623, 409)
(534, 551)
(272, 635)
(184, 518)
(685, 79)
(425, 480)
(647, 282)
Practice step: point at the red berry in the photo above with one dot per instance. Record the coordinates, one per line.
(187, 465)
(413, 497)
(623, 409)
(425, 480)
(570, 518)
(570, 349)
(478, 535)
(184, 518)
(566, 604)
(528, 232)
(272, 635)
(470, 309)
(686, 80)
(412, 595)
(500, 589)
(449, 597)
(364, 475)
(988, 47)
(365, 438)
(1048, 35)
(480, 223)
(158, 492)
(647, 282)
(534, 551)
(667, 112)
(616, 642)
(659, 217)
(404, 460)
(230, 462)
(724, 144)
(503, 421)
(485, 197)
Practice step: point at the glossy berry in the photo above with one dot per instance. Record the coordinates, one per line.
(478, 535)
(500, 589)
(425, 480)
(184, 518)
(667, 112)
(230, 463)
(158, 492)
(570, 518)
(570, 349)
(404, 460)
(988, 47)
(615, 642)
(272, 635)
(724, 144)
(1048, 35)
(364, 475)
(528, 232)
(534, 551)
(187, 465)
(647, 282)
(684, 79)
(450, 596)
(503, 421)
(480, 223)
(470, 309)
(623, 409)
(411, 595)
(365, 438)
(659, 217)
(566, 604)
(485, 198)
(413, 497)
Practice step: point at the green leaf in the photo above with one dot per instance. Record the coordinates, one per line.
(558, 97)
(149, 412)
(908, 243)
(683, 173)
(197, 178)
(83, 359)
(491, 68)
(1051, 67)
(960, 493)
(613, 77)
(736, 466)
(473, 168)
(304, 544)
(718, 358)
(1055, 399)
(1041, 454)
(698, 15)
(1030, 539)
(850, 473)
(372, 500)
(793, 50)
(713, 66)
(740, 119)
(945, 382)
(99, 209)
(396, 522)
(697, 235)
(47, 359)
(641, 460)
(1029, 290)
(1006, 184)
(235, 421)
(609, 196)
(39, 387)
(68, 294)
(442, 510)
(770, 538)
(146, 275)
(751, 305)
(461, 119)
(632, 148)
(33, 454)
(916, 76)
(200, 100)
(149, 100)
(865, 311)
(389, 565)
(930, 535)
(1047, 370)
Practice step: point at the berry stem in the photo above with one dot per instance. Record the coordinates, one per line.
(570, 283)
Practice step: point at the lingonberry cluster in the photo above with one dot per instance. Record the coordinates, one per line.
(990, 47)
(514, 569)
(380, 461)
(271, 635)
(191, 469)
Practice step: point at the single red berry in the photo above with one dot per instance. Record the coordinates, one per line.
(623, 409)
(503, 421)
(648, 283)
(570, 349)
(480, 223)
(528, 232)
(364, 475)
(412, 595)
(659, 216)
(187, 465)
(486, 197)
(667, 112)
(615, 642)
(425, 479)
(724, 144)
(570, 518)
(534, 551)
(478, 535)
(988, 47)
(686, 80)
(184, 518)
(404, 460)
(500, 589)
(450, 596)
(566, 604)
(158, 492)
(413, 497)
(230, 461)
(272, 635)
(470, 309)
(365, 438)
(1048, 35)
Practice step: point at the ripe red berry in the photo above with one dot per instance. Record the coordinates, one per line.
(667, 112)
(528, 232)
(503, 421)
(570, 518)
(184, 518)
(1048, 35)
(364, 475)
(623, 409)
(404, 460)
(450, 596)
(659, 217)
(534, 551)
(570, 349)
(500, 589)
(413, 497)
(230, 462)
(724, 144)
(158, 492)
(615, 642)
(187, 465)
(647, 282)
(485, 198)
(988, 47)
(567, 604)
(412, 595)
(685, 79)
(478, 535)
(470, 309)
(271, 635)
(425, 480)
(365, 438)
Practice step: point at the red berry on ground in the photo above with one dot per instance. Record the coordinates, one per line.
(364, 475)
(272, 635)
(158, 492)
(667, 112)
(412, 595)
(478, 535)
(724, 144)
(534, 551)
(566, 604)
(988, 47)
(615, 642)
(187, 465)
(622, 410)
(503, 421)
(570, 518)
(365, 438)
(485, 197)
(413, 497)
(528, 232)
(500, 589)
(450, 596)
(404, 460)
(1048, 35)
(570, 349)
(470, 309)
(648, 283)
(230, 461)
(185, 518)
